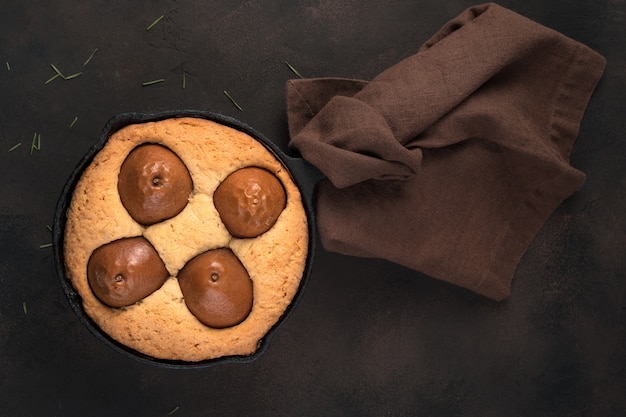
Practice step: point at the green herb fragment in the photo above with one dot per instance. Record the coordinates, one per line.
(45, 245)
(295, 71)
(14, 147)
(57, 71)
(175, 409)
(60, 74)
(160, 80)
(184, 81)
(153, 24)
(232, 100)
(8, 66)
(90, 57)
(69, 77)
(49, 227)
(36, 143)
(52, 78)
(73, 122)
(24, 308)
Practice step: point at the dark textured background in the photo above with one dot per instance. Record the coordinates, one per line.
(369, 338)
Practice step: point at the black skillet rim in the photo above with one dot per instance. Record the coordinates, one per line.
(304, 175)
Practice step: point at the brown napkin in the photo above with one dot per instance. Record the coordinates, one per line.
(450, 161)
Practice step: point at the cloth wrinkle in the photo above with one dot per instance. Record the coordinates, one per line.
(311, 113)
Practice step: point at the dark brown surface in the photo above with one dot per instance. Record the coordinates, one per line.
(368, 337)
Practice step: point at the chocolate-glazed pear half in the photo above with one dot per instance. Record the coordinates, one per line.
(154, 184)
(249, 201)
(125, 271)
(217, 288)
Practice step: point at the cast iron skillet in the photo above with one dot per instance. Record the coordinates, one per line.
(305, 176)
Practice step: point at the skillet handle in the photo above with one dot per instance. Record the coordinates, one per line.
(307, 176)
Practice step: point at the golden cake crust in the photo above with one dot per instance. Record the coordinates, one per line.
(160, 325)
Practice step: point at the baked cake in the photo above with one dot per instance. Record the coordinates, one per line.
(186, 239)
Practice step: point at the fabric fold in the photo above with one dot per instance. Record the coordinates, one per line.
(451, 160)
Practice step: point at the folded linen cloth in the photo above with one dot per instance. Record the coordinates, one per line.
(450, 161)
